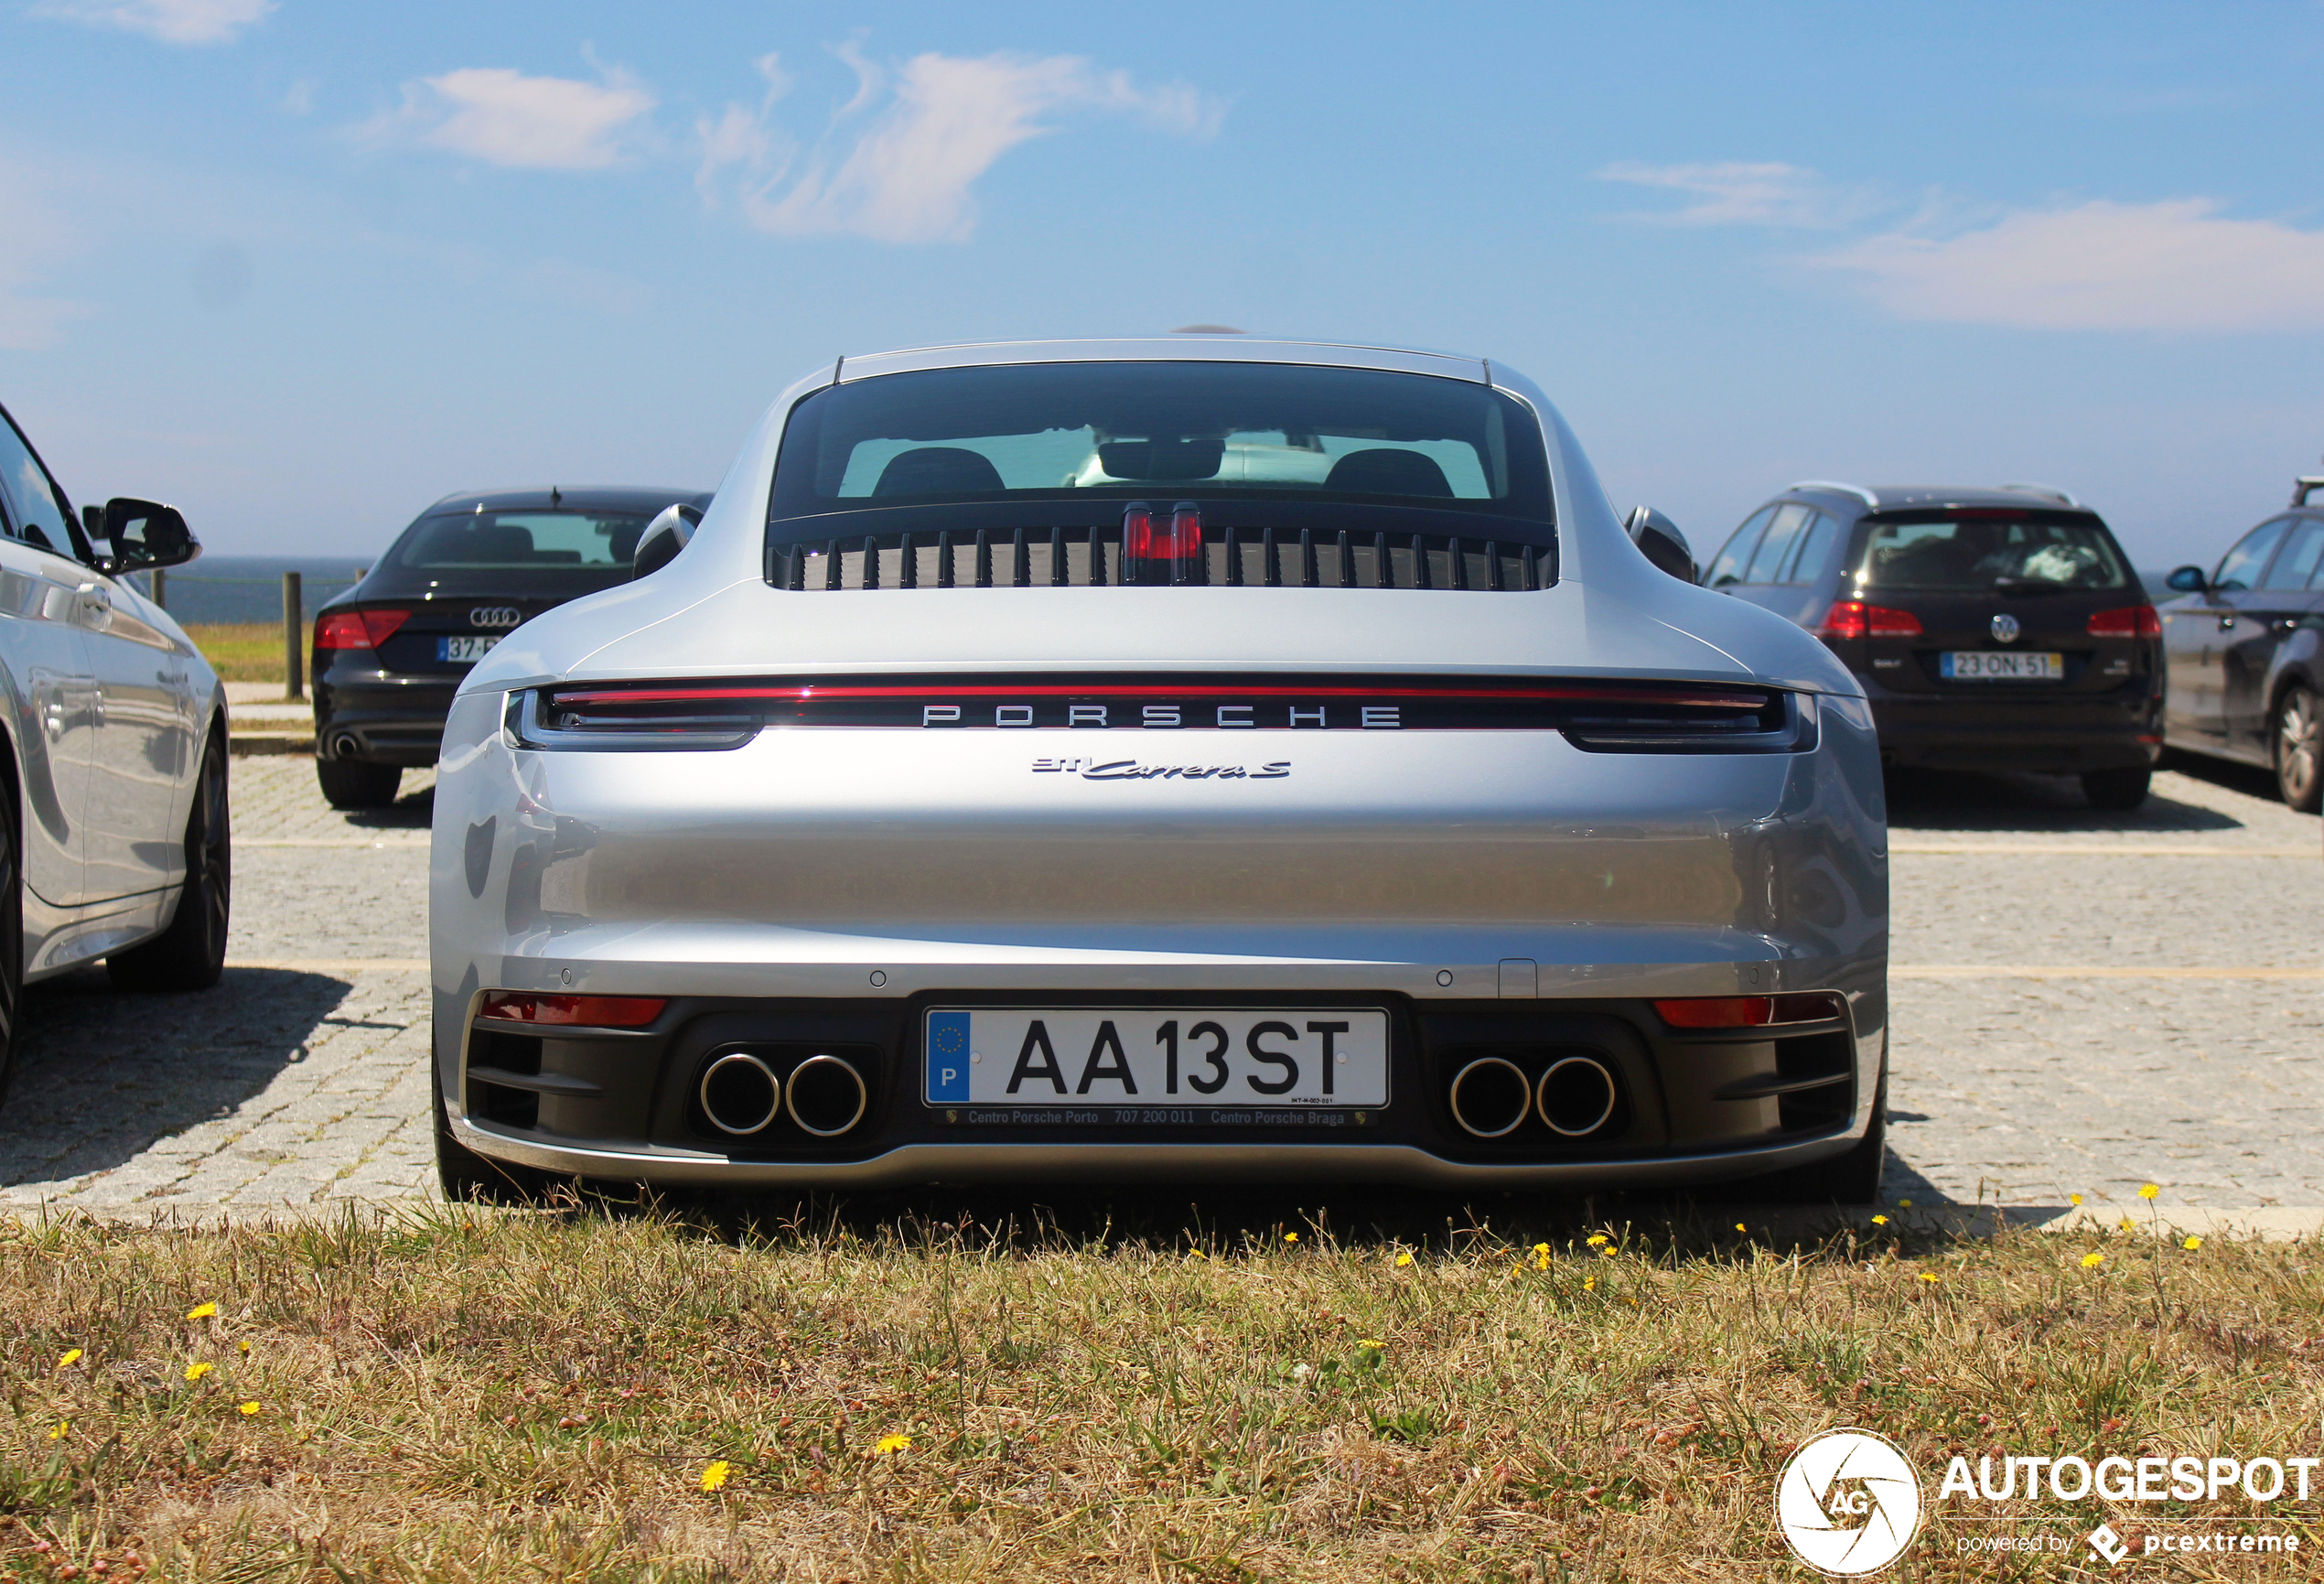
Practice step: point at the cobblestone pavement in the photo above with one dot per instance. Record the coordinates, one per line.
(2084, 1002)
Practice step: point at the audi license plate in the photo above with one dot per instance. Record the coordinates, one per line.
(1993, 665)
(465, 647)
(1177, 1056)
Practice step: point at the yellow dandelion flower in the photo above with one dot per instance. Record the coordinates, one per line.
(1404, 1258)
(195, 1371)
(2148, 1191)
(1597, 1240)
(63, 1426)
(2093, 1260)
(1605, 1254)
(72, 1357)
(1879, 1220)
(250, 1410)
(713, 1475)
(1540, 1260)
(1290, 1237)
(203, 1312)
(1369, 1342)
(2124, 1225)
(1590, 1284)
(1928, 1276)
(1904, 1204)
(245, 1346)
(2073, 1198)
(2193, 1244)
(1540, 1249)
(890, 1445)
(1740, 1227)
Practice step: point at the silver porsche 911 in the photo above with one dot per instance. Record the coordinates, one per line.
(1189, 758)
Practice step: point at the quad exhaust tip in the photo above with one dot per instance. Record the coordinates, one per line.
(1491, 1096)
(827, 1095)
(1577, 1096)
(740, 1093)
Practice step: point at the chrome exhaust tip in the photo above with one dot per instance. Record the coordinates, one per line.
(1577, 1096)
(1489, 1096)
(827, 1096)
(740, 1093)
(344, 746)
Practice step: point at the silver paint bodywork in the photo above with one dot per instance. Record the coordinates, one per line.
(108, 703)
(1416, 863)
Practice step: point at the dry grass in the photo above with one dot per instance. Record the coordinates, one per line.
(469, 1396)
(245, 650)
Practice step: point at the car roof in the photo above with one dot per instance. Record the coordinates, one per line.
(571, 498)
(1897, 497)
(1191, 347)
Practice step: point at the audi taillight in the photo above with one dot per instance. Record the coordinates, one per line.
(572, 1011)
(357, 629)
(1855, 618)
(2128, 621)
(1751, 1011)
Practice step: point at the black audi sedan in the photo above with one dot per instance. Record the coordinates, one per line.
(1993, 629)
(390, 651)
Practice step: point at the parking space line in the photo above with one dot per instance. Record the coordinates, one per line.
(2016, 971)
(332, 964)
(2073, 849)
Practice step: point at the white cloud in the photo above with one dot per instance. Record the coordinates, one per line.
(171, 21)
(1738, 192)
(2175, 266)
(506, 118)
(907, 176)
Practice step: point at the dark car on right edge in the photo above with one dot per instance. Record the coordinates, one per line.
(1993, 629)
(2246, 647)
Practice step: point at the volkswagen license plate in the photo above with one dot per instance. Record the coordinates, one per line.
(465, 648)
(1173, 1056)
(1994, 665)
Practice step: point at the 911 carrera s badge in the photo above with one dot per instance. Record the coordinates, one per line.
(1131, 769)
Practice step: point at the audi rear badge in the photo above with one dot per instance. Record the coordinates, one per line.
(495, 616)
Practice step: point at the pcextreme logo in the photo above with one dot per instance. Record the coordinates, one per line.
(1848, 1503)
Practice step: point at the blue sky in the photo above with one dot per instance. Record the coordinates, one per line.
(301, 268)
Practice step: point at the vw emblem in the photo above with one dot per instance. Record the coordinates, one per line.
(2004, 629)
(509, 616)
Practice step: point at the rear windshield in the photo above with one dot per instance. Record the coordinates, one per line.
(1049, 441)
(527, 540)
(1967, 549)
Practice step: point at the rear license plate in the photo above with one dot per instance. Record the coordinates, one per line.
(465, 647)
(1993, 665)
(1182, 1056)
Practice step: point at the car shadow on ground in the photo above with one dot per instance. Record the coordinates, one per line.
(103, 1075)
(1950, 801)
(410, 812)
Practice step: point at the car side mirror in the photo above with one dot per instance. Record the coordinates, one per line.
(670, 531)
(145, 534)
(2186, 580)
(1659, 541)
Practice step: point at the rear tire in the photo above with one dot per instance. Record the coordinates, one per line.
(2298, 735)
(2117, 790)
(350, 783)
(469, 1178)
(11, 940)
(191, 953)
(1850, 1178)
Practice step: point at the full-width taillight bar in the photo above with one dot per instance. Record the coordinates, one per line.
(1751, 1011)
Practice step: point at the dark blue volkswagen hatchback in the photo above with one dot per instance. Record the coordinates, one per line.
(1992, 629)
(390, 652)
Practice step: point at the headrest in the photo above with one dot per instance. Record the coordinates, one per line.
(938, 470)
(1386, 471)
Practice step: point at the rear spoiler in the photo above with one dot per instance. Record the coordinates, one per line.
(2303, 485)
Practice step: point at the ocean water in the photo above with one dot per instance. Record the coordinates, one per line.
(249, 587)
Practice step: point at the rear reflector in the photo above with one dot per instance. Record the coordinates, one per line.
(357, 629)
(2129, 621)
(1751, 1011)
(1855, 618)
(589, 1011)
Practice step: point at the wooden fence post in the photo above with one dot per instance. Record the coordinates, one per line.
(294, 630)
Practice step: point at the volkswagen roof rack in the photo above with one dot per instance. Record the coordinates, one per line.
(2305, 483)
